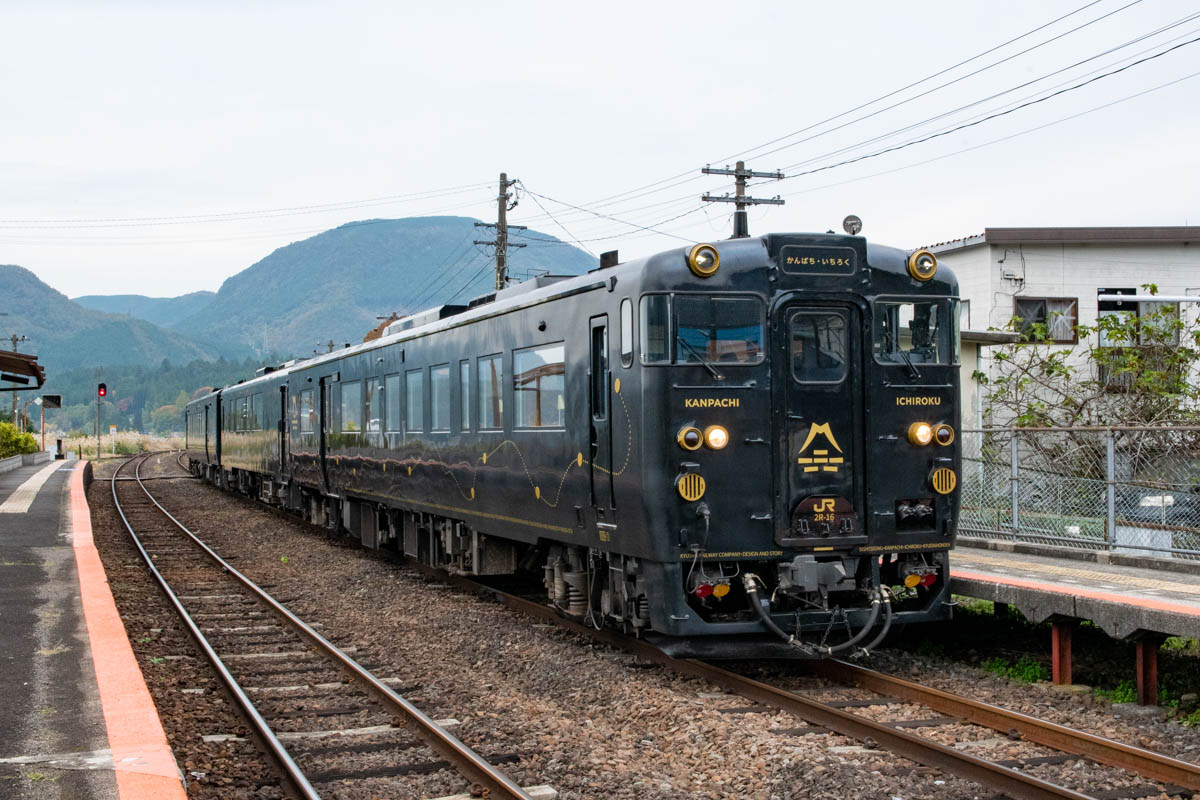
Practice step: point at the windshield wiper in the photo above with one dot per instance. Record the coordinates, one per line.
(908, 361)
(715, 373)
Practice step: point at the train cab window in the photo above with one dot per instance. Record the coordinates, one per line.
(464, 395)
(439, 399)
(725, 330)
(415, 381)
(491, 393)
(373, 394)
(911, 332)
(539, 383)
(655, 323)
(391, 394)
(307, 412)
(626, 332)
(352, 406)
(818, 347)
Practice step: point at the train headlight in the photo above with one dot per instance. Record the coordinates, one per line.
(922, 265)
(920, 433)
(690, 438)
(943, 434)
(704, 260)
(716, 437)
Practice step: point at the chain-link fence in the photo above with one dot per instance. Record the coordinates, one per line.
(1126, 490)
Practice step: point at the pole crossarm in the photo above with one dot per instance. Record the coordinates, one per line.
(746, 201)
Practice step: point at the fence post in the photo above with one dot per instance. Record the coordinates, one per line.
(1110, 478)
(1015, 472)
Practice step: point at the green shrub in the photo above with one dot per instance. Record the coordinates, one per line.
(13, 443)
(1026, 670)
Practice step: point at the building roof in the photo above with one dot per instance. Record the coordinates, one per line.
(988, 338)
(17, 368)
(1016, 236)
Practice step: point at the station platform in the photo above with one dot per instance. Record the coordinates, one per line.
(76, 718)
(1142, 599)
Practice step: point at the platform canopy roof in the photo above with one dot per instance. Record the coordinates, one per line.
(20, 371)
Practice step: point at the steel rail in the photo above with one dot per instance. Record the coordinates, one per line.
(292, 773)
(1059, 737)
(896, 740)
(486, 777)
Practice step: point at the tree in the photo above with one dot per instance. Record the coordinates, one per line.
(1127, 370)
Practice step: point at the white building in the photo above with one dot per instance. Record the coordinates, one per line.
(1060, 276)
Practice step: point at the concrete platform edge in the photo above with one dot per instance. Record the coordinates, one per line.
(1074, 554)
(144, 764)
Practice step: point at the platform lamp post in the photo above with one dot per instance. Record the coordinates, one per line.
(48, 401)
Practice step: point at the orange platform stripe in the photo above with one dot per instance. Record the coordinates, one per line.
(1123, 599)
(144, 764)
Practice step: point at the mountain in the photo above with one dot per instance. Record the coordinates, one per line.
(164, 311)
(65, 335)
(336, 284)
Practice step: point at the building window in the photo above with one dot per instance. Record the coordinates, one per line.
(1059, 315)
(539, 381)
(439, 387)
(464, 395)
(1135, 336)
(391, 394)
(415, 380)
(352, 406)
(491, 389)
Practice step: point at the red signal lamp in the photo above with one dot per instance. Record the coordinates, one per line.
(928, 579)
(102, 390)
(704, 590)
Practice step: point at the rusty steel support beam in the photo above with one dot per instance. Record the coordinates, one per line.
(1147, 669)
(1060, 648)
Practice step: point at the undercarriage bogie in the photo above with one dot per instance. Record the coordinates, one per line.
(587, 583)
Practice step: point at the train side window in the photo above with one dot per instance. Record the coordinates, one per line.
(464, 395)
(373, 403)
(307, 412)
(352, 406)
(539, 383)
(491, 393)
(256, 403)
(655, 326)
(415, 381)
(439, 400)
(818, 347)
(391, 394)
(626, 332)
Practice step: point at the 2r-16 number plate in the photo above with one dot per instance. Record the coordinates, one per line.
(823, 517)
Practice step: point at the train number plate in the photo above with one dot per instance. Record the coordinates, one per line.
(823, 517)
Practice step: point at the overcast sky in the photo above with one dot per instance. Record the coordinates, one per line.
(266, 123)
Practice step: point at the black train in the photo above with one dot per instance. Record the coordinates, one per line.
(745, 448)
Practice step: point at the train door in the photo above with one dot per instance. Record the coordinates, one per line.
(600, 451)
(284, 432)
(819, 408)
(326, 425)
(207, 434)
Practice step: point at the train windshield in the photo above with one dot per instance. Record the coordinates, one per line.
(909, 332)
(725, 330)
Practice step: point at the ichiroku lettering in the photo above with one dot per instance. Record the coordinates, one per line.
(918, 401)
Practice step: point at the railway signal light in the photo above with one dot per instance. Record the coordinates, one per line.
(102, 390)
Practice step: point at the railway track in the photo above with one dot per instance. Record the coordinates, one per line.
(1174, 776)
(323, 718)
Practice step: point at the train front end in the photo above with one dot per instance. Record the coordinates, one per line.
(811, 406)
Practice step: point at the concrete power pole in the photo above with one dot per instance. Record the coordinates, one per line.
(741, 226)
(15, 341)
(502, 227)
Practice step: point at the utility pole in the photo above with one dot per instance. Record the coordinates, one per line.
(741, 226)
(15, 341)
(502, 227)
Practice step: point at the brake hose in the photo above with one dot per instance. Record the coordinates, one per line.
(750, 581)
